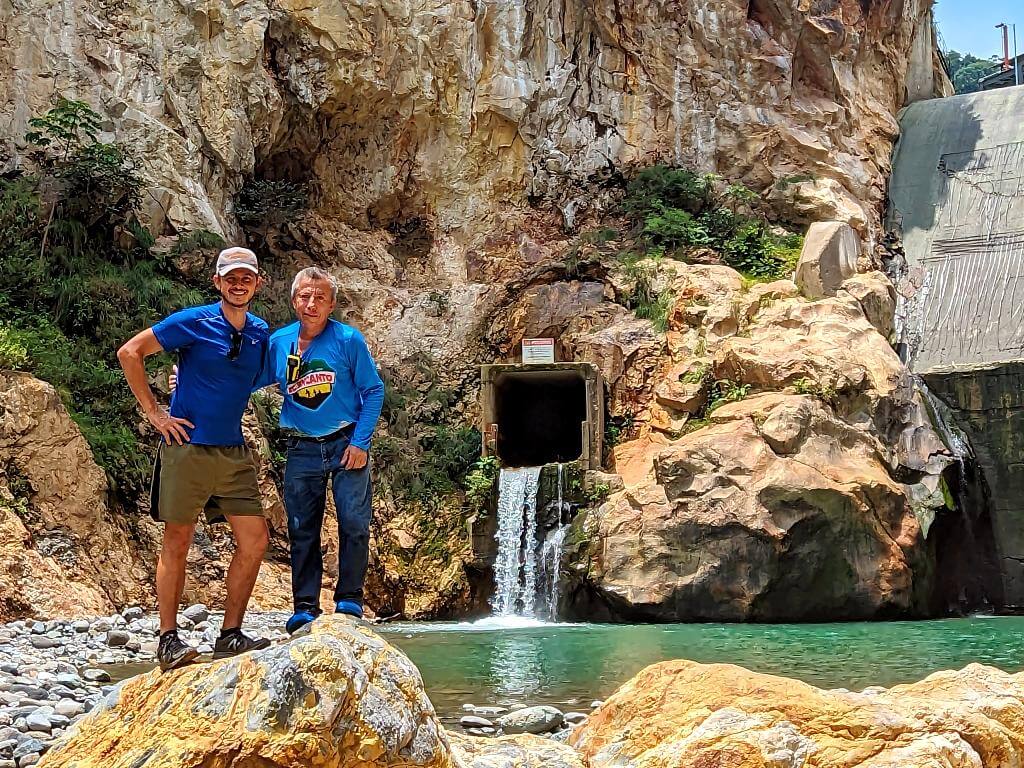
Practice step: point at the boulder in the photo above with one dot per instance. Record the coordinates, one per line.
(530, 720)
(337, 695)
(877, 297)
(828, 257)
(795, 519)
(719, 714)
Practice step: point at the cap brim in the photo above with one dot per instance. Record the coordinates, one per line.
(232, 267)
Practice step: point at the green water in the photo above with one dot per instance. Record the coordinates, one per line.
(570, 665)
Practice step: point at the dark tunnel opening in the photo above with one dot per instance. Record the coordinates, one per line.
(539, 416)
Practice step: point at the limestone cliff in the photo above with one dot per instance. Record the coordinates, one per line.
(452, 149)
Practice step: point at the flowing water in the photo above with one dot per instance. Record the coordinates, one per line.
(515, 567)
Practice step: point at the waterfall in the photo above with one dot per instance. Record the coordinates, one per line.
(551, 553)
(526, 567)
(954, 439)
(515, 568)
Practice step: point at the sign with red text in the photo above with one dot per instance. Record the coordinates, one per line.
(538, 350)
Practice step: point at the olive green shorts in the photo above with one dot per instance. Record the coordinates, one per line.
(189, 480)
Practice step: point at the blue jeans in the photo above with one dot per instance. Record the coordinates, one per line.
(310, 466)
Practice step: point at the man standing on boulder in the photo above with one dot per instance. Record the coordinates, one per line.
(203, 464)
(332, 399)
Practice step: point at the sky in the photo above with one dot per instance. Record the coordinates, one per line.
(968, 26)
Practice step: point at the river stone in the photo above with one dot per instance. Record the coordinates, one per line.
(530, 720)
(196, 613)
(43, 642)
(69, 707)
(134, 613)
(38, 721)
(96, 676)
(30, 759)
(29, 746)
(575, 718)
(471, 721)
(117, 638)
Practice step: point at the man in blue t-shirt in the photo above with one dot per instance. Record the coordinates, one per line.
(332, 399)
(203, 465)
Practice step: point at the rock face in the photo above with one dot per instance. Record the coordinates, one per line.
(449, 149)
(783, 469)
(64, 550)
(337, 695)
(829, 256)
(797, 102)
(684, 714)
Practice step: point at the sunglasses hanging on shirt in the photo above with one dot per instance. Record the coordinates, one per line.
(236, 345)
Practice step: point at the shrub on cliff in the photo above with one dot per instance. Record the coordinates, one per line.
(77, 279)
(677, 211)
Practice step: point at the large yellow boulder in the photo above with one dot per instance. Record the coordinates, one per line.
(681, 714)
(338, 696)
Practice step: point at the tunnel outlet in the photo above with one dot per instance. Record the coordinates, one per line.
(537, 414)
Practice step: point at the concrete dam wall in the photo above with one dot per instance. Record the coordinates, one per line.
(956, 199)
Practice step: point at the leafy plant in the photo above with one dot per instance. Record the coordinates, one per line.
(73, 285)
(726, 391)
(13, 353)
(823, 391)
(697, 374)
(479, 482)
(596, 493)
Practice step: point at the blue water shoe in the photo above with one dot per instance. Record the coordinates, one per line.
(298, 620)
(350, 607)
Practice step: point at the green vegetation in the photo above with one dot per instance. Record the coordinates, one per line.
(644, 300)
(679, 210)
(823, 391)
(479, 483)
(420, 458)
(77, 278)
(677, 214)
(725, 391)
(966, 70)
(697, 374)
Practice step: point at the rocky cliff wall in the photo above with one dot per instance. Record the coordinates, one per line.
(451, 110)
(451, 150)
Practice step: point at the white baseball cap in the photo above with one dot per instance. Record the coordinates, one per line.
(236, 258)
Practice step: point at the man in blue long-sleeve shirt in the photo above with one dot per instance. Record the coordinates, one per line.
(332, 399)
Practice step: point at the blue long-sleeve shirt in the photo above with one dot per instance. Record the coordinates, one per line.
(334, 383)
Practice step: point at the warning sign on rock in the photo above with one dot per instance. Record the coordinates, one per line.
(538, 350)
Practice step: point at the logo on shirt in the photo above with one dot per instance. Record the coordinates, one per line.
(310, 383)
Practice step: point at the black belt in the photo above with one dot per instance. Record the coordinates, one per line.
(343, 432)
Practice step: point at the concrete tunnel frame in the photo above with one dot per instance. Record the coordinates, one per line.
(535, 414)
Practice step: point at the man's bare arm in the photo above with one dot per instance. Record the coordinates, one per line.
(132, 357)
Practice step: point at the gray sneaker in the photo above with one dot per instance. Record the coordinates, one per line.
(172, 652)
(235, 641)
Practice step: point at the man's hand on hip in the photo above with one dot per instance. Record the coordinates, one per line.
(353, 458)
(170, 427)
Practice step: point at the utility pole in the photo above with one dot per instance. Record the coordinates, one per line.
(1016, 60)
(1006, 46)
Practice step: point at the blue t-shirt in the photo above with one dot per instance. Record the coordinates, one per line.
(333, 384)
(212, 390)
